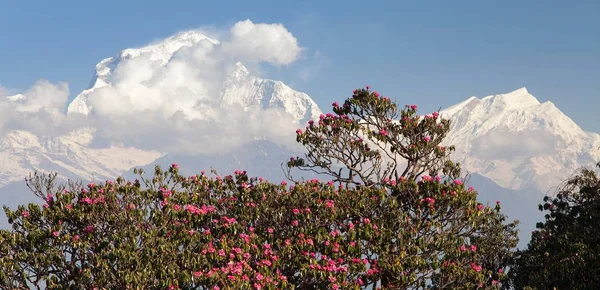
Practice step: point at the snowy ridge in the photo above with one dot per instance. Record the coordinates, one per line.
(518, 142)
(21, 152)
(250, 92)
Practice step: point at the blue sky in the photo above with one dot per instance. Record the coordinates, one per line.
(432, 53)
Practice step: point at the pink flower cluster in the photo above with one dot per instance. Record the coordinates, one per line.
(199, 211)
(87, 200)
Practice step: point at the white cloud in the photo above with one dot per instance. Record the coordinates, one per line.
(262, 42)
(172, 106)
(40, 109)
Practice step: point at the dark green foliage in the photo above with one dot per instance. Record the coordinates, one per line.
(564, 251)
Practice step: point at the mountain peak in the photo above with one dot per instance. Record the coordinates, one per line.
(517, 141)
(517, 99)
(238, 74)
(522, 90)
(164, 49)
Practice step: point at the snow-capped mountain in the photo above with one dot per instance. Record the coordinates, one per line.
(72, 156)
(518, 142)
(238, 86)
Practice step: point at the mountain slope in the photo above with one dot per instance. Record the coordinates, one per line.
(21, 152)
(521, 205)
(243, 89)
(518, 142)
(261, 158)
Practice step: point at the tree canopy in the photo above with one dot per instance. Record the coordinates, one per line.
(564, 251)
(391, 210)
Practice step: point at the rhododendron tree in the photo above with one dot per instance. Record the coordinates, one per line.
(371, 142)
(370, 139)
(236, 232)
(564, 251)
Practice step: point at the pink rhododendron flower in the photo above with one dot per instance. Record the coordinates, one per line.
(475, 267)
(329, 203)
(25, 214)
(86, 200)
